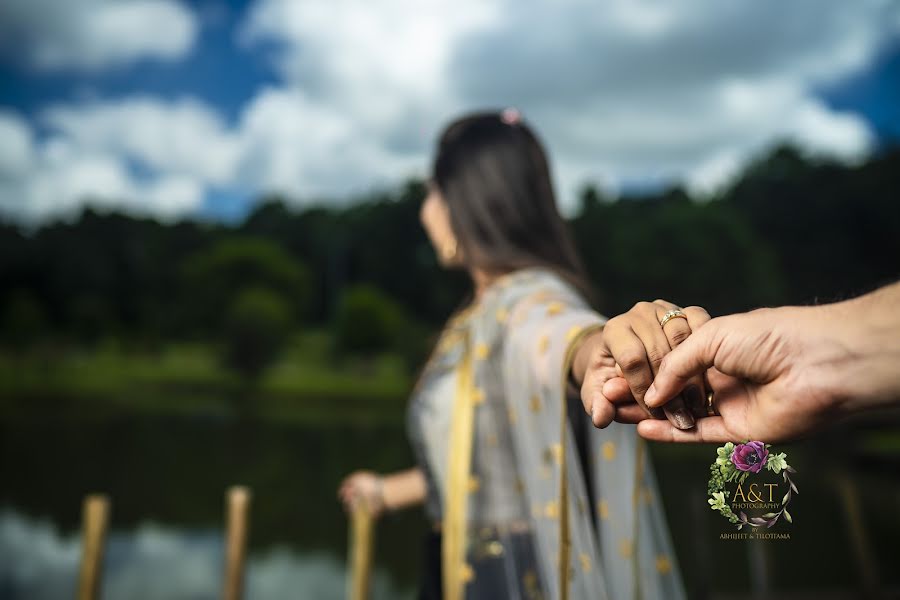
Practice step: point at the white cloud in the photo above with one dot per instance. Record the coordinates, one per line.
(94, 34)
(635, 91)
(148, 156)
(15, 143)
(629, 90)
(312, 149)
(181, 136)
(59, 175)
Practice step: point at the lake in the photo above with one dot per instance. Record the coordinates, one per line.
(166, 478)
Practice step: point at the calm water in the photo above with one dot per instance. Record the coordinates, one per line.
(167, 478)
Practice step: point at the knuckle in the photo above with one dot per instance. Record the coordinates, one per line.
(642, 307)
(613, 324)
(679, 335)
(647, 307)
(639, 387)
(697, 311)
(631, 360)
(656, 355)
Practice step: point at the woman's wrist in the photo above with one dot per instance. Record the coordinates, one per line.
(380, 501)
(581, 350)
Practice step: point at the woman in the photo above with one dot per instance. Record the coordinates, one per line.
(527, 500)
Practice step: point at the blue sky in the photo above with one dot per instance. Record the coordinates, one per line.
(178, 109)
(873, 92)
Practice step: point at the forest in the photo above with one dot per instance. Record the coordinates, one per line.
(289, 301)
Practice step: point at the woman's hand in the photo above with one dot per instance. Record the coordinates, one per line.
(362, 489)
(631, 346)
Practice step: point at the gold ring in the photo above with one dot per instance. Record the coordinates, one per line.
(676, 313)
(711, 404)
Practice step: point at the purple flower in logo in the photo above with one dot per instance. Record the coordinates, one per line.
(750, 456)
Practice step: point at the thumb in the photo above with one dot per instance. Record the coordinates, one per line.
(690, 358)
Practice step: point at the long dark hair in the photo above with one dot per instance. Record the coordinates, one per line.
(492, 172)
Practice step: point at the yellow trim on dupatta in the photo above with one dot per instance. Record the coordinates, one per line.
(453, 543)
(565, 543)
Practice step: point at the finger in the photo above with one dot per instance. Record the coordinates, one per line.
(697, 317)
(666, 305)
(630, 355)
(651, 335)
(678, 330)
(710, 429)
(619, 394)
(691, 358)
(655, 340)
(631, 414)
(595, 403)
(616, 390)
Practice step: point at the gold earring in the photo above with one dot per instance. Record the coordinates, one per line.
(449, 250)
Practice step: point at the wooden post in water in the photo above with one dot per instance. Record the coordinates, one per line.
(237, 502)
(94, 520)
(361, 535)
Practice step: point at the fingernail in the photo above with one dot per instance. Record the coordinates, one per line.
(650, 396)
(683, 418)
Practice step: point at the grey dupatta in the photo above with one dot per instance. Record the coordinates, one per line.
(489, 427)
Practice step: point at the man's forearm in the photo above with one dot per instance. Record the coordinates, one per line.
(869, 327)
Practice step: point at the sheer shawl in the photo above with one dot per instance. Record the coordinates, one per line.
(525, 513)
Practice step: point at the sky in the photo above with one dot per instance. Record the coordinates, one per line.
(176, 109)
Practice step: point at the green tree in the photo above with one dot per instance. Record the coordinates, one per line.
(257, 325)
(367, 320)
(23, 319)
(212, 277)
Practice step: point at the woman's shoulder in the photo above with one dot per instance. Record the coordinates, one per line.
(512, 295)
(536, 285)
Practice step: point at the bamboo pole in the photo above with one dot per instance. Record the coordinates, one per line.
(361, 536)
(94, 520)
(236, 532)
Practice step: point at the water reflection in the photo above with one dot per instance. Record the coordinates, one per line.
(166, 478)
(155, 562)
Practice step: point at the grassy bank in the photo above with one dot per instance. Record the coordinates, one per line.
(309, 382)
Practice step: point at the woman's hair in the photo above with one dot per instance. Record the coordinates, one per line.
(493, 174)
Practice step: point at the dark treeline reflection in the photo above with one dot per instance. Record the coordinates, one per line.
(788, 231)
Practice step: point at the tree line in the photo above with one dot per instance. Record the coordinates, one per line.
(790, 229)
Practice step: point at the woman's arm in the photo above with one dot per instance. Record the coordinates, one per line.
(404, 489)
(380, 493)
